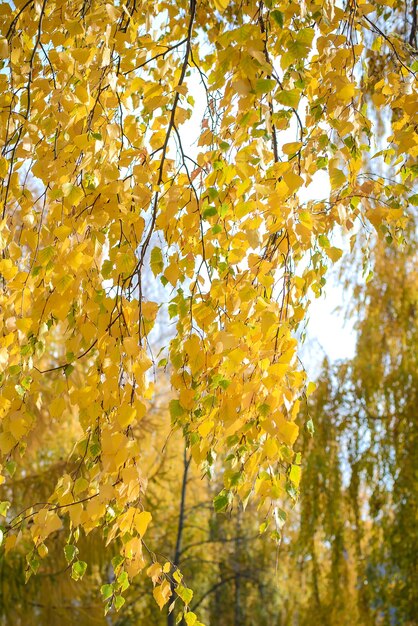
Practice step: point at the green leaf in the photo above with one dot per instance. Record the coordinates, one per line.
(107, 267)
(291, 490)
(116, 563)
(123, 581)
(11, 467)
(20, 390)
(25, 382)
(212, 193)
(78, 570)
(289, 98)
(172, 310)
(281, 517)
(264, 85)
(119, 602)
(209, 212)
(106, 591)
(264, 409)
(323, 241)
(4, 507)
(184, 593)
(322, 162)
(42, 550)
(68, 370)
(70, 552)
(156, 261)
(221, 501)
(33, 562)
(108, 607)
(176, 410)
(278, 17)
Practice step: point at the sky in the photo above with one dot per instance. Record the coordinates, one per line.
(328, 333)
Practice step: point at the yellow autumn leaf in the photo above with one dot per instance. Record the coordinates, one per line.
(154, 572)
(162, 594)
(334, 253)
(292, 148)
(126, 415)
(205, 428)
(295, 475)
(141, 522)
(221, 5)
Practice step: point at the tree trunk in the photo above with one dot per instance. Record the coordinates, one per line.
(180, 527)
(238, 608)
